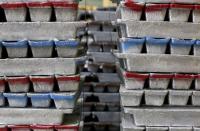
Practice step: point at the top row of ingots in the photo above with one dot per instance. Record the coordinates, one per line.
(38, 10)
(161, 10)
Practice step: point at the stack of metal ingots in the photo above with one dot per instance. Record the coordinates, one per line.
(160, 65)
(39, 81)
(101, 108)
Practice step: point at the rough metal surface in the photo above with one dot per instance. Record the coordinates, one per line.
(18, 87)
(40, 14)
(179, 98)
(65, 14)
(17, 52)
(183, 116)
(104, 15)
(139, 128)
(158, 15)
(131, 98)
(161, 63)
(30, 116)
(41, 52)
(39, 30)
(18, 14)
(179, 15)
(128, 14)
(37, 66)
(183, 84)
(196, 16)
(160, 29)
(161, 83)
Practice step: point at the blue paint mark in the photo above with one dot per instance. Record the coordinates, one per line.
(41, 43)
(157, 41)
(17, 44)
(131, 43)
(176, 42)
(66, 43)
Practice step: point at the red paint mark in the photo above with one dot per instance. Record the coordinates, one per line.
(182, 6)
(65, 4)
(136, 75)
(158, 76)
(3, 129)
(154, 7)
(13, 5)
(41, 126)
(134, 6)
(197, 7)
(2, 82)
(42, 79)
(68, 78)
(197, 76)
(39, 4)
(19, 126)
(57, 127)
(183, 76)
(22, 80)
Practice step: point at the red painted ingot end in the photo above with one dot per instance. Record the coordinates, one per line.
(139, 6)
(134, 6)
(2, 82)
(42, 79)
(42, 127)
(13, 5)
(161, 76)
(39, 4)
(3, 128)
(183, 76)
(68, 78)
(21, 80)
(136, 75)
(197, 7)
(197, 76)
(19, 126)
(184, 6)
(65, 4)
(156, 7)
